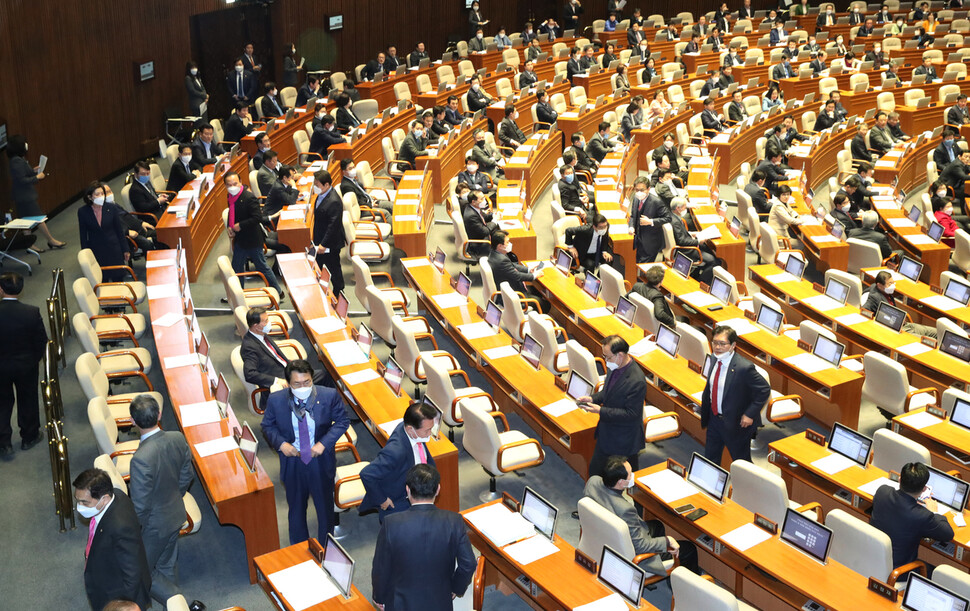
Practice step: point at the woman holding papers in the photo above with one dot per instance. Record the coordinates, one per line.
(292, 64)
(781, 216)
(102, 230)
(23, 193)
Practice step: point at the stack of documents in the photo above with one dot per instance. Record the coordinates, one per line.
(500, 525)
(303, 585)
(534, 548)
(833, 463)
(345, 352)
(668, 486)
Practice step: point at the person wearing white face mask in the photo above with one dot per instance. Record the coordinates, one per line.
(477, 98)
(183, 171)
(303, 423)
(509, 133)
(243, 224)
(883, 290)
(591, 244)
(292, 65)
(648, 537)
(476, 44)
(325, 134)
(841, 211)
(478, 223)
(506, 268)
(196, 91)
(473, 178)
(102, 230)
(414, 145)
(241, 84)
(271, 106)
(115, 564)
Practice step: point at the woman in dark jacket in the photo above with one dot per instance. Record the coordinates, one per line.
(23, 193)
(196, 90)
(103, 231)
(291, 66)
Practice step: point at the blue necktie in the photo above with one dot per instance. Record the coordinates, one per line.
(305, 455)
(277, 106)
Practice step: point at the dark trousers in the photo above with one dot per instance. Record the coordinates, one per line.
(598, 462)
(332, 262)
(23, 378)
(688, 551)
(719, 436)
(305, 481)
(241, 255)
(649, 243)
(162, 552)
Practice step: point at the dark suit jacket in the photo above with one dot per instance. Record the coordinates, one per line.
(248, 216)
(106, 240)
(411, 149)
(569, 194)
(661, 309)
(144, 198)
(737, 112)
(823, 121)
(178, 177)
(876, 237)
(373, 68)
(661, 151)
(710, 122)
(305, 93)
(929, 72)
(415, 560)
(346, 120)
(546, 113)
(477, 100)
(269, 110)
(329, 416)
(942, 156)
(453, 117)
(846, 220)
(116, 565)
(583, 161)
(580, 238)
(279, 196)
(652, 208)
(906, 522)
(633, 38)
(880, 139)
(161, 472)
(199, 155)
(620, 427)
(758, 198)
(955, 116)
(248, 86)
(384, 477)
(780, 71)
(26, 337)
(874, 297)
(328, 227)
(260, 367)
(527, 79)
(773, 175)
(351, 186)
(598, 148)
(322, 138)
(235, 130)
(416, 56)
(478, 227)
(745, 393)
(954, 175)
(266, 179)
(475, 45)
(478, 181)
(505, 270)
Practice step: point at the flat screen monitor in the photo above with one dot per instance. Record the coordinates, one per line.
(770, 318)
(439, 259)
(947, 489)
(958, 291)
(668, 340)
(339, 565)
(621, 575)
(828, 349)
(853, 445)
(721, 290)
(924, 595)
(463, 284)
(838, 230)
(591, 285)
(539, 511)
(564, 260)
(682, 264)
(707, 476)
(247, 445)
(626, 310)
(960, 413)
(955, 345)
(735, 226)
(365, 339)
(806, 534)
(493, 314)
(393, 375)
(531, 350)
(577, 386)
(913, 213)
(795, 266)
(910, 269)
(837, 290)
(891, 316)
(342, 306)
(935, 231)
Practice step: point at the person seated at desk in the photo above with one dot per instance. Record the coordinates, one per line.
(959, 114)
(894, 127)
(534, 51)
(778, 34)
(648, 537)
(528, 76)
(856, 17)
(349, 184)
(621, 85)
(272, 107)
(712, 83)
(586, 61)
(414, 145)
(324, 135)
(600, 145)
(205, 150)
(142, 194)
(648, 213)
(391, 61)
(573, 195)
(438, 126)
(430, 133)
(506, 268)
(486, 155)
(870, 233)
(374, 66)
(746, 11)
(890, 73)
(703, 258)
(545, 113)
(669, 150)
(609, 56)
(478, 222)
(634, 35)
(384, 478)
(641, 52)
(611, 23)
(882, 290)
(263, 144)
(658, 106)
(267, 176)
(727, 77)
(929, 24)
(736, 110)
(905, 518)
(756, 191)
(884, 16)
(927, 69)
(896, 27)
(184, 170)
(825, 19)
(649, 289)
(550, 27)
(637, 18)
(920, 13)
(591, 244)
(842, 212)
(477, 98)
(241, 85)
(472, 177)
(855, 191)
(664, 185)
(701, 28)
(346, 119)
(827, 118)
(141, 232)
(694, 46)
(238, 126)
(943, 213)
(574, 65)
(876, 56)
(879, 137)
(858, 148)
(502, 41)
(649, 71)
(773, 172)
(783, 70)
(509, 134)
(453, 114)
(812, 45)
(528, 33)
(865, 30)
(583, 162)
(781, 216)
(710, 119)
(476, 44)
(312, 89)
(772, 98)
(946, 152)
(715, 40)
(786, 133)
(955, 175)
(415, 57)
(923, 38)
(632, 119)
(283, 193)
(839, 50)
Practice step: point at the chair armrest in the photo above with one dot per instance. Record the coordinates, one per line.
(464, 248)
(281, 322)
(516, 444)
(387, 196)
(376, 212)
(124, 284)
(256, 274)
(700, 257)
(189, 525)
(478, 589)
(384, 275)
(129, 374)
(402, 301)
(373, 225)
(796, 398)
(649, 419)
(302, 158)
(252, 399)
(265, 291)
(909, 396)
(474, 395)
(427, 335)
(119, 334)
(131, 353)
(346, 446)
(421, 318)
(293, 347)
(811, 507)
(146, 214)
(916, 565)
(127, 268)
(500, 416)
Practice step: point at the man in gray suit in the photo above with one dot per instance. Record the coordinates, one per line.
(267, 176)
(161, 471)
(648, 537)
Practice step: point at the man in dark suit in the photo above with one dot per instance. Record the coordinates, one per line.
(476, 44)
(325, 135)
(244, 225)
(827, 118)
(414, 145)
(422, 559)
(946, 152)
(578, 149)
(633, 36)
(241, 84)
(669, 150)
(407, 446)
(267, 176)
(544, 110)
(956, 175)
(453, 114)
(284, 193)
(161, 473)
(905, 518)
(392, 60)
(205, 149)
(478, 223)
(869, 233)
(528, 76)
(303, 424)
(783, 70)
(115, 565)
(710, 119)
(591, 244)
(485, 154)
(879, 137)
(884, 290)
(856, 17)
(312, 89)
(472, 177)
(650, 290)
(374, 66)
(619, 431)
(859, 197)
(732, 401)
(713, 82)
(572, 194)
(746, 11)
(600, 145)
(703, 258)
(818, 62)
(271, 106)
(773, 173)
(842, 211)
(736, 110)
(477, 98)
(328, 229)
(505, 269)
(248, 60)
(958, 115)
(926, 68)
(756, 191)
(571, 13)
(647, 216)
(509, 133)
(826, 18)
(414, 59)
(142, 194)
(237, 127)
(184, 170)
(350, 184)
(694, 46)
(26, 337)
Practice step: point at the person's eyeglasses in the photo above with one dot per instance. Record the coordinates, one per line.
(720, 343)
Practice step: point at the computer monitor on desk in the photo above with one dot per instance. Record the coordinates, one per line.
(837, 290)
(708, 477)
(365, 339)
(955, 345)
(914, 212)
(493, 315)
(891, 316)
(682, 264)
(924, 595)
(621, 576)
(222, 394)
(770, 318)
(577, 386)
(960, 413)
(668, 340)
(439, 259)
(248, 443)
(626, 311)
(853, 445)
(721, 290)
(342, 306)
(540, 512)
(393, 375)
(958, 291)
(910, 269)
(531, 350)
(463, 284)
(828, 349)
(564, 260)
(591, 285)
(807, 535)
(795, 266)
(947, 490)
(338, 565)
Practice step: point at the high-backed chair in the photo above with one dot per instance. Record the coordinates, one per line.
(961, 251)
(890, 451)
(912, 96)
(886, 387)
(348, 489)
(496, 452)
(263, 296)
(116, 294)
(462, 242)
(644, 317)
(854, 283)
(95, 382)
(952, 579)
(451, 400)
(582, 361)
(761, 491)
(614, 286)
(863, 254)
(369, 248)
(693, 344)
(865, 549)
(691, 591)
(130, 359)
(827, 85)
(514, 309)
(105, 431)
(129, 326)
(553, 357)
(409, 355)
(364, 278)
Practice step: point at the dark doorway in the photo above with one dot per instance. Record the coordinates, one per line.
(218, 39)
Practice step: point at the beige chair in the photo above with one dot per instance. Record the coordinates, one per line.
(577, 96)
(383, 311)
(466, 68)
(691, 591)
(105, 430)
(961, 251)
(890, 451)
(858, 79)
(912, 96)
(423, 84)
(410, 357)
(675, 94)
(886, 101)
(553, 357)
(946, 90)
(854, 283)
(779, 408)
(445, 74)
(462, 242)
(95, 382)
(496, 452)
(514, 309)
(644, 317)
(369, 249)
(614, 286)
(112, 294)
(364, 279)
(348, 489)
(865, 549)
(755, 52)
(112, 361)
(768, 245)
(365, 109)
(503, 88)
(952, 579)
(582, 361)
(129, 326)
(402, 92)
(288, 96)
(693, 343)
(263, 296)
(863, 254)
(761, 491)
(511, 58)
(450, 400)
(886, 387)
(827, 85)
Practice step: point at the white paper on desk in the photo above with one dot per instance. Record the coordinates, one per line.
(162, 291)
(919, 239)
(884, 204)
(613, 214)
(292, 215)
(159, 263)
(741, 326)
(305, 180)
(781, 277)
(389, 426)
(901, 222)
(699, 299)
(42, 165)
(182, 360)
(808, 363)
(596, 312)
(569, 115)
(303, 585)
(706, 219)
(847, 320)
(560, 407)
(668, 486)
(326, 324)
(534, 548)
(477, 330)
(409, 191)
(822, 303)
(712, 232)
(823, 239)
(919, 420)
(195, 414)
(359, 377)
(610, 161)
(913, 349)
(512, 224)
(508, 192)
(168, 319)
(642, 347)
(345, 352)
(613, 602)
(500, 525)
(215, 446)
(407, 218)
(609, 197)
(500, 352)
(833, 463)
(942, 302)
(698, 397)
(619, 229)
(745, 537)
(449, 300)
(301, 281)
(877, 483)
(416, 262)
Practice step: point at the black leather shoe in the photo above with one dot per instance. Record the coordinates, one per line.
(26, 444)
(196, 605)
(6, 451)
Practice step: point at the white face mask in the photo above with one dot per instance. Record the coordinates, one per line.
(948, 211)
(640, 195)
(110, 198)
(316, 190)
(846, 208)
(941, 192)
(611, 365)
(186, 159)
(98, 200)
(267, 328)
(89, 512)
(471, 168)
(420, 439)
(508, 248)
(239, 69)
(352, 173)
(234, 190)
(631, 482)
(194, 71)
(479, 36)
(321, 115)
(890, 289)
(302, 393)
(476, 86)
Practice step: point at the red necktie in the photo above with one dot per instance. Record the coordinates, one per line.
(92, 527)
(717, 376)
(273, 349)
(422, 456)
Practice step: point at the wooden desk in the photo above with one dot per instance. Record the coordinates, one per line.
(368, 147)
(821, 247)
(562, 583)
(693, 60)
(595, 85)
(413, 213)
(905, 165)
(281, 137)
(373, 400)
(491, 60)
(516, 218)
(770, 575)
(383, 92)
(943, 439)
(545, 71)
(533, 163)
(281, 559)
(916, 298)
(703, 200)
(907, 236)
(199, 233)
(524, 101)
(618, 170)
(739, 147)
(449, 160)
(239, 497)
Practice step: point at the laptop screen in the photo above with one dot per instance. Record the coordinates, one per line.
(339, 565)
(838, 228)
(531, 350)
(947, 489)
(960, 413)
(342, 306)
(828, 349)
(957, 291)
(682, 264)
(621, 575)
(625, 311)
(910, 269)
(393, 375)
(795, 266)
(707, 476)
(913, 213)
(735, 226)
(668, 340)
(463, 284)
(222, 390)
(578, 386)
(890, 316)
(806, 534)
(564, 260)
(539, 511)
(720, 290)
(247, 445)
(439, 259)
(591, 285)
(955, 345)
(837, 290)
(935, 231)
(770, 318)
(924, 595)
(493, 314)
(202, 346)
(851, 444)
(365, 339)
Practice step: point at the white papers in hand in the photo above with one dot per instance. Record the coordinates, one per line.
(326, 324)
(161, 291)
(745, 537)
(712, 232)
(500, 525)
(476, 330)
(359, 377)
(345, 352)
(195, 414)
(560, 407)
(668, 486)
(699, 299)
(450, 300)
(920, 420)
(215, 446)
(833, 463)
(303, 585)
(43, 164)
(532, 549)
(613, 602)
(596, 312)
(875, 484)
(500, 352)
(168, 319)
